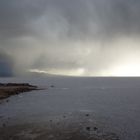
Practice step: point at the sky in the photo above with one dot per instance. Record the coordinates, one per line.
(70, 37)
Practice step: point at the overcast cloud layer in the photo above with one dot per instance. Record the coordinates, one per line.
(78, 37)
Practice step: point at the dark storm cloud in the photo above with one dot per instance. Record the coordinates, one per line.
(15, 16)
(48, 32)
(6, 65)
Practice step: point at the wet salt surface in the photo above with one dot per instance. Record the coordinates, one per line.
(57, 130)
(110, 105)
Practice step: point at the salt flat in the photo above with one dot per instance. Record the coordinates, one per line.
(94, 106)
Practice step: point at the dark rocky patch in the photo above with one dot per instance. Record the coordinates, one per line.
(8, 89)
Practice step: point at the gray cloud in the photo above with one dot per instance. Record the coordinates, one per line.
(69, 34)
(89, 18)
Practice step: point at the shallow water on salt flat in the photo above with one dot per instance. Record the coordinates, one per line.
(114, 102)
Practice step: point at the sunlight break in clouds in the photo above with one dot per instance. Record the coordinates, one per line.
(125, 70)
(74, 72)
